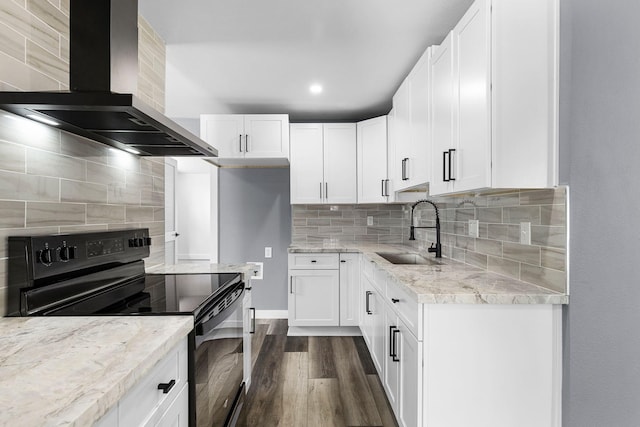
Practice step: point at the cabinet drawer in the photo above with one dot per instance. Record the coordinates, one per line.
(145, 401)
(314, 261)
(380, 280)
(368, 268)
(406, 307)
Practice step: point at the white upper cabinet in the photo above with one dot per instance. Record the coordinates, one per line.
(373, 182)
(340, 163)
(306, 173)
(503, 106)
(441, 112)
(420, 142)
(323, 163)
(410, 130)
(247, 137)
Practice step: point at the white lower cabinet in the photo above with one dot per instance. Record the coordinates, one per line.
(460, 365)
(349, 289)
(323, 289)
(314, 297)
(161, 398)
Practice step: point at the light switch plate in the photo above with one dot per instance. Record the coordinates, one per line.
(369, 220)
(474, 228)
(525, 233)
(267, 252)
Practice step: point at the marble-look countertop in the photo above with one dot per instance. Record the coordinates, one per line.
(69, 371)
(446, 281)
(203, 268)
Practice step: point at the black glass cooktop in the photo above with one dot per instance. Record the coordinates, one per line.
(177, 294)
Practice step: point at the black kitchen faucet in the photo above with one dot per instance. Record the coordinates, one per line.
(438, 247)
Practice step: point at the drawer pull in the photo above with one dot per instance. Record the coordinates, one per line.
(395, 300)
(313, 261)
(367, 309)
(166, 387)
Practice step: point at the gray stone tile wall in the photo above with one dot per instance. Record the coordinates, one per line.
(497, 248)
(53, 182)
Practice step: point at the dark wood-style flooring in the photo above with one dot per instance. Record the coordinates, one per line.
(312, 381)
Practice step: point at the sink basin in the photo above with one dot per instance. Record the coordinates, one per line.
(407, 258)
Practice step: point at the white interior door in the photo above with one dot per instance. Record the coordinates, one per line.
(170, 233)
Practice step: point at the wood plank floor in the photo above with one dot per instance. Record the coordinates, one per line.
(312, 382)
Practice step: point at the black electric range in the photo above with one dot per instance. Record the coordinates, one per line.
(103, 273)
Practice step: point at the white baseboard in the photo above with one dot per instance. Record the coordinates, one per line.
(324, 331)
(194, 257)
(272, 314)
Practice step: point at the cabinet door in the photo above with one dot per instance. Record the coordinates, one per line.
(471, 47)
(267, 135)
(340, 163)
(372, 160)
(372, 324)
(401, 136)
(349, 289)
(391, 379)
(441, 67)
(420, 140)
(314, 298)
(366, 314)
(307, 183)
(391, 157)
(225, 132)
(409, 351)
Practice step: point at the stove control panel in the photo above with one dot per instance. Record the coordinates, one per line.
(61, 253)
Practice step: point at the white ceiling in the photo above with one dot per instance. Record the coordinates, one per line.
(261, 56)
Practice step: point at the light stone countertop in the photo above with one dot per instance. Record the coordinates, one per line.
(447, 281)
(70, 371)
(203, 268)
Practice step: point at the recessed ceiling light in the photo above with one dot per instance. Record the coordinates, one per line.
(43, 119)
(315, 89)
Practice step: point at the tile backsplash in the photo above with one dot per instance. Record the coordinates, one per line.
(346, 223)
(55, 182)
(497, 248)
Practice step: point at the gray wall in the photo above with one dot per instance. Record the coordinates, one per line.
(600, 141)
(254, 213)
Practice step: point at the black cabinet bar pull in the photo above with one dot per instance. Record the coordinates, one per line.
(240, 141)
(326, 190)
(367, 295)
(395, 300)
(391, 328)
(394, 356)
(444, 166)
(166, 387)
(382, 187)
(451, 151)
(291, 284)
(386, 187)
(343, 260)
(246, 143)
(253, 320)
(313, 261)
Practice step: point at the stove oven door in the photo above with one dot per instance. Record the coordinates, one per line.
(218, 369)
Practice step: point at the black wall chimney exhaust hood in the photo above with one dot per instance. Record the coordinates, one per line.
(103, 76)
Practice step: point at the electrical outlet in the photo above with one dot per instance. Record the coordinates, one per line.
(474, 228)
(525, 233)
(369, 220)
(267, 252)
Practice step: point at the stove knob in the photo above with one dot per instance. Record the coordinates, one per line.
(45, 256)
(67, 253)
(132, 243)
(139, 242)
(147, 241)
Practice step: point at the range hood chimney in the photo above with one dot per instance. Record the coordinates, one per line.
(103, 77)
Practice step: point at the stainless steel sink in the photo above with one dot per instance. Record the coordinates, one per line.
(407, 258)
